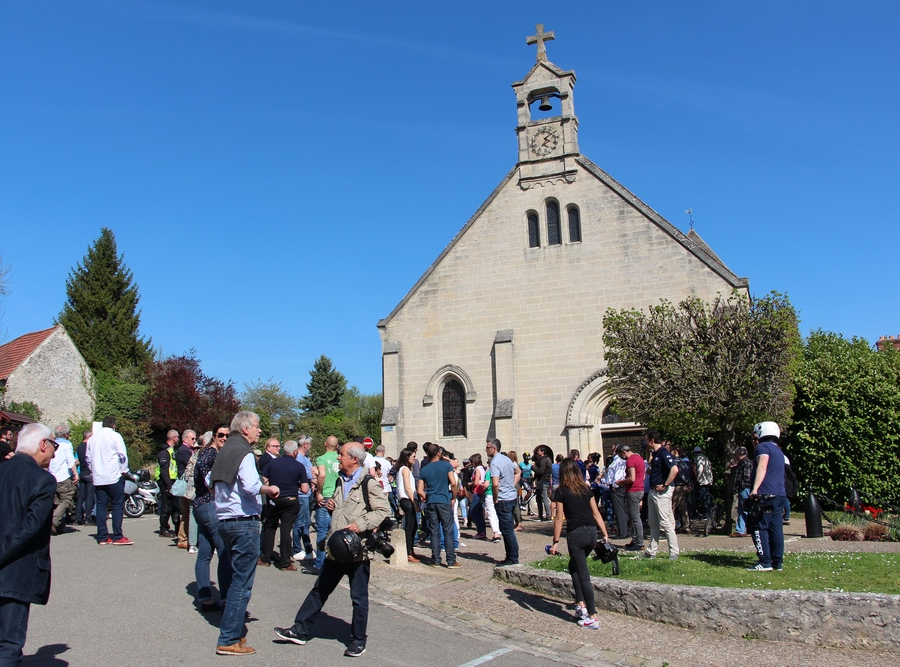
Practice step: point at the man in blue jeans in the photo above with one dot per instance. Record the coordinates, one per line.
(504, 477)
(302, 545)
(236, 484)
(436, 488)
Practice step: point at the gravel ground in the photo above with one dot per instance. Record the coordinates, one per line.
(472, 588)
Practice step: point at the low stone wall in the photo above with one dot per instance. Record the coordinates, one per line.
(846, 620)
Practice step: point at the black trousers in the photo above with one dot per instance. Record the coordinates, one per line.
(13, 628)
(167, 507)
(284, 512)
(331, 575)
(409, 523)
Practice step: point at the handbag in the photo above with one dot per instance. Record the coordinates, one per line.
(480, 488)
(184, 485)
(179, 487)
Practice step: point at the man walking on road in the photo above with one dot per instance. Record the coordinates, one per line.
(356, 512)
(26, 496)
(237, 485)
(108, 460)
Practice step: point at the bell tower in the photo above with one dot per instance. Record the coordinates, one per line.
(547, 128)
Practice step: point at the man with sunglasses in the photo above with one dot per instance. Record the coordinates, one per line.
(108, 460)
(26, 496)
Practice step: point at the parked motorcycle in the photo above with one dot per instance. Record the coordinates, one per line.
(141, 493)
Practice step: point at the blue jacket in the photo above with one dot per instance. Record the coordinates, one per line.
(26, 496)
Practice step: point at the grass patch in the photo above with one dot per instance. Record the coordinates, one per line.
(832, 572)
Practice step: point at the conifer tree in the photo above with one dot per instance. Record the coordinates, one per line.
(326, 388)
(100, 313)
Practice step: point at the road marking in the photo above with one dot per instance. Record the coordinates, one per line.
(487, 657)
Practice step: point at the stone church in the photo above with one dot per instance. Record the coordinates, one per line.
(501, 337)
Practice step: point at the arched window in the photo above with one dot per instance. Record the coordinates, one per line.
(453, 409)
(574, 225)
(534, 231)
(553, 234)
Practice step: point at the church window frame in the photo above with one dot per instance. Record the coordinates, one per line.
(554, 226)
(573, 215)
(452, 417)
(534, 229)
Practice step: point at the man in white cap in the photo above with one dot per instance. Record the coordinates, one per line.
(768, 491)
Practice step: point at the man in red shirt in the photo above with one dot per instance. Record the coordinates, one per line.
(634, 485)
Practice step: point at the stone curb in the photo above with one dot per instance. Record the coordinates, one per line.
(865, 621)
(563, 650)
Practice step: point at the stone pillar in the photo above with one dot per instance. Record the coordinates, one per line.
(505, 389)
(390, 373)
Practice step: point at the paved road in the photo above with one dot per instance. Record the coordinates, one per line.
(134, 606)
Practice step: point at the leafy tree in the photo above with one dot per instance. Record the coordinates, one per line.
(27, 408)
(100, 313)
(364, 410)
(271, 399)
(704, 368)
(325, 388)
(121, 395)
(182, 396)
(846, 427)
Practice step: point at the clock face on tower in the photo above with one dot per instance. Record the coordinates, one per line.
(544, 141)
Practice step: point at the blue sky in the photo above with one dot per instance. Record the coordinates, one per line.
(279, 174)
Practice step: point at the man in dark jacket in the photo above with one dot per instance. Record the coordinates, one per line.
(26, 496)
(543, 463)
(168, 473)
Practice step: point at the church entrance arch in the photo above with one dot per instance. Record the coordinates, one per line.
(590, 424)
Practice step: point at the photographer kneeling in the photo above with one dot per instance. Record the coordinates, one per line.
(357, 511)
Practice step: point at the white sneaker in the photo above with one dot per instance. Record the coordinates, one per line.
(462, 544)
(300, 555)
(192, 550)
(590, 623)
(581, 613)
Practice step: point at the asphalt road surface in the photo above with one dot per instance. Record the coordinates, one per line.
(135, 605)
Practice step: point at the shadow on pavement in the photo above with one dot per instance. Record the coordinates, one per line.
(325, 627)
(531, 601)
(45, 656)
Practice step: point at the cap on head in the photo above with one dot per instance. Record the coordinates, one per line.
(698, 448)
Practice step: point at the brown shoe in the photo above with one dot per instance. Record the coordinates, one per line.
(263, 563)
(240, 648)
(412, 559)
(182, 545)
(289, 568)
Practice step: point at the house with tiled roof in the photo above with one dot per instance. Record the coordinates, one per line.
(46, 368)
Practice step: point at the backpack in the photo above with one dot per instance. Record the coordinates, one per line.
(683, 478)
(790, 481)
(744, 475)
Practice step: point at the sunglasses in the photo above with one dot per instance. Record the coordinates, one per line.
(221, 435)
(52, 442)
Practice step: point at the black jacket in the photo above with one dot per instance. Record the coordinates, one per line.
(26, 496)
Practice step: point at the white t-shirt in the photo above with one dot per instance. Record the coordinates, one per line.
(385, 469)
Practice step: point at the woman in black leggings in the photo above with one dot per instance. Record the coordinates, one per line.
(574, 503)
(406, 495)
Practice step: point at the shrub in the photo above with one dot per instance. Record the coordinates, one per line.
(876, 532)
(846, 533)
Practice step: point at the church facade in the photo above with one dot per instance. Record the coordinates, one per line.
(501, 337)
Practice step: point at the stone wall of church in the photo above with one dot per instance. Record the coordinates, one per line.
(552, 298)
(56, 378)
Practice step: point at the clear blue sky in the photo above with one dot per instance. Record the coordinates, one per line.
(279, 174)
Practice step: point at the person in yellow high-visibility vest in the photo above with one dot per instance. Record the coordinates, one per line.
(168, 473)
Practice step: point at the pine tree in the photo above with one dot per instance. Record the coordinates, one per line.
(326, 388)
(100, 313)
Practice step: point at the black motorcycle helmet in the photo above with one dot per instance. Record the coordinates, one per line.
(344, 546)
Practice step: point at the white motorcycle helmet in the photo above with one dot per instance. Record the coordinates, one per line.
(764, 429)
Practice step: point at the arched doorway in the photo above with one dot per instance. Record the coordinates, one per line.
(590, 424)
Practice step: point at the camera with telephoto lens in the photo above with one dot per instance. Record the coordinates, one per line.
(757, 506)
(380, 539)
(607, 553)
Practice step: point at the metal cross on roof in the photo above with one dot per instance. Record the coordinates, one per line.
(539, 39)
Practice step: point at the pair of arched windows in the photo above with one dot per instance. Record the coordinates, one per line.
(554, 226)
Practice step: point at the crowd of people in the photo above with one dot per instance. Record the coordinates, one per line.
(218, 494)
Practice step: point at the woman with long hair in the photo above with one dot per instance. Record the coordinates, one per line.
(476, 505)
(517, 510)
(574, 502)
(406, 498)
(208, 537)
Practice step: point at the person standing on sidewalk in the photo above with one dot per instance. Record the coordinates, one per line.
(108, 459)
(743, 480)
(237, 486)
(84, 501)
(576, 505)
(26, 496)
(633, 483)
(504, 478)
(542, 464)
(436, 488)
(615, 473)
(663, 471)
(289, 475)
(63, 468)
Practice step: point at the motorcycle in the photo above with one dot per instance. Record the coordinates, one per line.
(141, 493)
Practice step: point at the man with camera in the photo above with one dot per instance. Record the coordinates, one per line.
(357, 508)
(767, 499)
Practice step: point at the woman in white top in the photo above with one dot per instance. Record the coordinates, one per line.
(406, 499)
